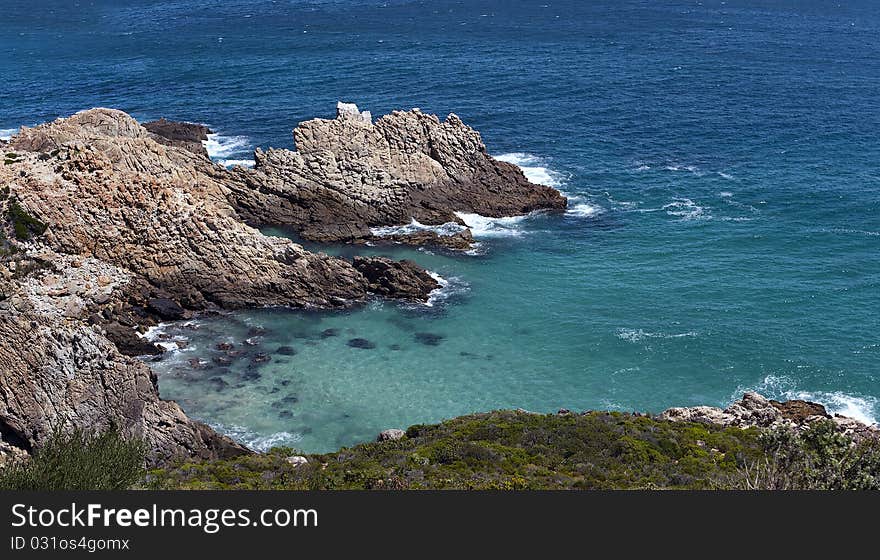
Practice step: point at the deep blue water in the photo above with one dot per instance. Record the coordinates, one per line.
(723, 160)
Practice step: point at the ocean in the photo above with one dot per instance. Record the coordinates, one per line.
(721, 160)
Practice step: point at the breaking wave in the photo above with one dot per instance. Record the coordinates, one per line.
(859, 407)
(638, 335)
(444, 230)
(258, 442)
(221, 147)
(7, 133)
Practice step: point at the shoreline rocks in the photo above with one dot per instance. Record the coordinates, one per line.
(134, 229)
(754, 410)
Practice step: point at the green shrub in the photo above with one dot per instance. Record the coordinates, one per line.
(819, 458)
(76, 460)
(23, 223)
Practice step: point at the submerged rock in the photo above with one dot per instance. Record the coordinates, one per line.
(285, 350)
(361, 343)
(327, 333)
(428, 339)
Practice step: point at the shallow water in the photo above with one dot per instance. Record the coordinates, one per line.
(723, 231)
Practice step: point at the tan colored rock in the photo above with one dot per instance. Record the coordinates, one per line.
(349, 174)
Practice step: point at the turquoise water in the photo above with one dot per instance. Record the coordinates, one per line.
(721, 158)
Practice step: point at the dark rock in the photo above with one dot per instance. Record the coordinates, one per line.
(285, 350)
(218, 383)
(398, 279)
(128, 342)
(222, 360)
(261, 358)
(327, 333)
(180, 134)
(166, 309)
(428, 339)
(798, 410)
(225, 346)
(257, 331)
(250, 375)
(361, 343)
(285, 414)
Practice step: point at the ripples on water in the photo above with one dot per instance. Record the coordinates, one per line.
(720, 161)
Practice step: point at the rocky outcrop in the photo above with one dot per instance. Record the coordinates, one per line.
(189, 136)
(58, 370)
(397, 279)
(754, 410)
(106, 229)
(350, 174)
(111, 192)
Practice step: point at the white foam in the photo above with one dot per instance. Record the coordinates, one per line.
(859, 407)
(583, 210)
(221, 147)
(689, 168)
(255, 441)
(638, 335)
(448, 288)
(534, 168)
(233, 162)
(444, 230)
(725, 176)
(482, 226)
(7, 133)
(725, 194)
(687, 210)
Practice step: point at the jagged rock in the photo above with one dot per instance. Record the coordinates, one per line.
(58, 373)
(165, 308)
(188, 136)
(390, 435)
(398, 279)
(799, 411)
(348, 175)
(112, 192)
(751, 410)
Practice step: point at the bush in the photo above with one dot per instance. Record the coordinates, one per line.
(23, 223)
(819, 458)
(76, 460)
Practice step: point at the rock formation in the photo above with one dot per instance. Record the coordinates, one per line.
(754, 410)
(108, 227)
(189, 136)
(349, 175)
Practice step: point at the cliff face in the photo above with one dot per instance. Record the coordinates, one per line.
(106, 228)
(350, 174)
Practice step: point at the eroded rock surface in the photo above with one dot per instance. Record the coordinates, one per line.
(350, 174)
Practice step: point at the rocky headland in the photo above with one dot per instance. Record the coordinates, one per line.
(108, 227)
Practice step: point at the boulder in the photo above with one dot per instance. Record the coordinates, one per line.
(390, 435)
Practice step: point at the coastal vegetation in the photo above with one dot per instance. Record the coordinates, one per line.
(501, 450)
